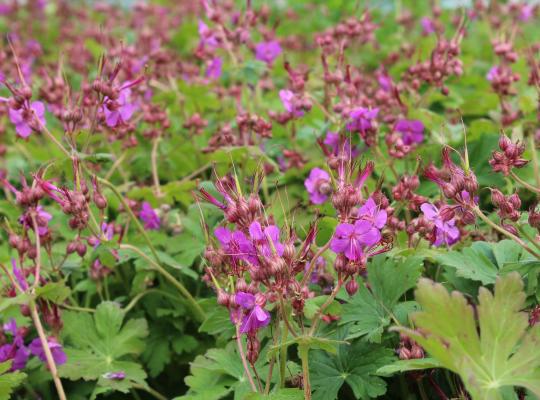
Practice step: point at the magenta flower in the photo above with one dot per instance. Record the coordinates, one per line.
(318, 185)
(340, 144)
(236, 245)
(361, 119)
(42, 219)
(119, 111)
(492, 73)
(351, 240)
(206, 35)
(19, 276)
(213, 71)
(255, 317)
(23, 118)
(266, 241)
(15, 351)
(267, 51)
(149, 217)
(526, 12)
(428, 26)
(445, 231)
(412, 131)
(115, 376)
(371, 213)
(17, 354)
(288, 100)
(385, 81)
(56, 349)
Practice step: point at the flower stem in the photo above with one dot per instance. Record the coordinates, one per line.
(320, 311)
(150, 391)
(38, 253)
(243, 358)
(46, 349)
(536, 165)
(196, 308)
(303, 353)
(314, 263)
(500, 229)
(283, 356)
(525, 184)
(155, 175)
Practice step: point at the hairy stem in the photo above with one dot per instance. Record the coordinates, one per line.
(525, 184)
(303, 353)
(313, 263)
(37, 272)
(155, 174)
(243, 358)
(46, 349)
(150, 391)
(536, 166)
(320, 311)
(283, 356)
(510, 235)
(196, 308)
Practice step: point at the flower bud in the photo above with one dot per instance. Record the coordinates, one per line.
(497, 198)
(351, 287)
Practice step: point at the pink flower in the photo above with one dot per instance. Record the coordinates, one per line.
(213, 71)
(340, 144)
(149, 217)
(412, 131)
(255, 317)
(361, 119)
(351, 240)
(236, 245)
(119, 111)
(24, 117)
(428, 26)
(445, 231)
(56, 349)
(288, 100)
(371, 213)
(493, 73)
(206, 35)
(267, 240)
(318, 185)
(267, 51)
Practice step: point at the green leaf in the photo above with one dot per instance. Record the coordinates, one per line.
(55, 292)
(9, 380)
(355, 365)
(484, 261)
(498, 352)
(369, 312)
(408, 365)
(102, 344)
(8, 302)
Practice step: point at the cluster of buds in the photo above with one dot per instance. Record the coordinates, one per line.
(507, 207)
(253, 123)
(404, 191)
(501, 78)
(456, 184)
(505, 50)
(352, 31)
(409, 349)
(195, 124)
(155, 116)
(509, 157)
(27, 116)
(443, 63)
